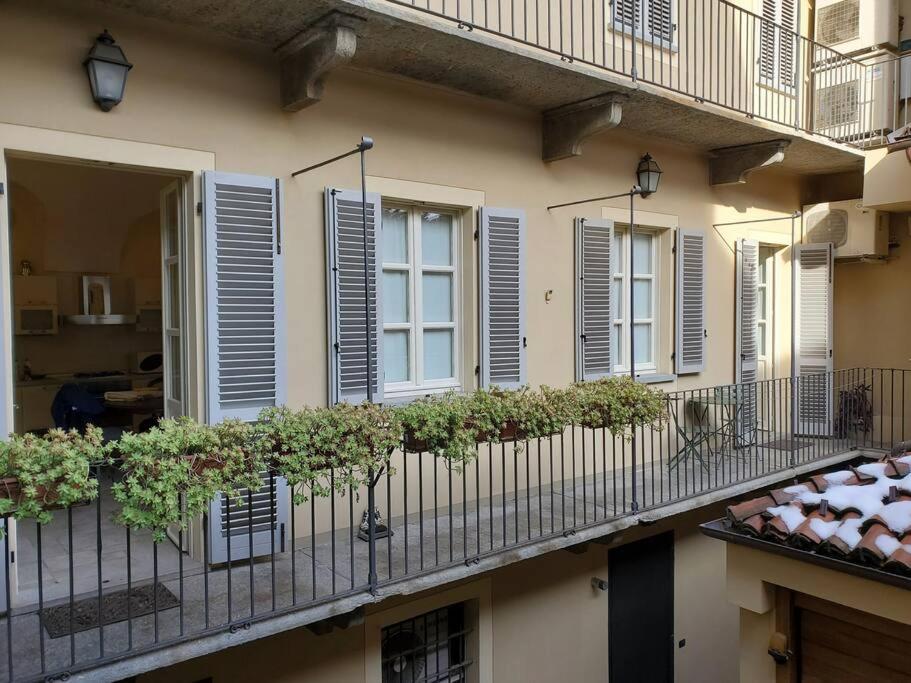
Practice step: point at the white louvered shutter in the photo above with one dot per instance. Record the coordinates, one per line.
(628, 13)
(245, 315)
(746, 361)
(777, 43)
(594, 314)
(814, 338)
(245, 344)
(502, 255)
(661, 21)
(689, 353)
(346, 306)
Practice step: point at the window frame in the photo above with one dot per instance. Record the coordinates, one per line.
(622, 267)
(416, 385)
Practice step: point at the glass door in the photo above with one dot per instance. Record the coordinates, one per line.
(173, 298)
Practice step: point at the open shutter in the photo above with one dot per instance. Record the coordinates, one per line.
(746, 361)
(689, 354)
(346, 307)
(245, 354)
(814, 338)
(594, 309)
(502, 238)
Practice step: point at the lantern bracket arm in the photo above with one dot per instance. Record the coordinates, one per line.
(309, 57)
(732, 165)
(567, 127)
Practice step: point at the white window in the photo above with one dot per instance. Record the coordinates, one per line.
(420, 300)
(645, 295)
(765, 312)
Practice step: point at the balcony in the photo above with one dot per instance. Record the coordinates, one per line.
(710, 76)
(513, 501)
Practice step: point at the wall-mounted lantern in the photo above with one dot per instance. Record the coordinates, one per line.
(107, 67)
(648, 174)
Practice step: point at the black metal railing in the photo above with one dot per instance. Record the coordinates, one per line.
(710, 50)
(85, 590)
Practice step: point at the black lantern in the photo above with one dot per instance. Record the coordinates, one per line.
(648, 174)
(107, 67)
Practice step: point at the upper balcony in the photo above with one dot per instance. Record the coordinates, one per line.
(703, 73)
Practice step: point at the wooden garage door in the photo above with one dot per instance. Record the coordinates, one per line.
(842, 645)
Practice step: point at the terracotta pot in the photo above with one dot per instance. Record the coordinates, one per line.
(508, 432)
(201, 463)
(9, 488)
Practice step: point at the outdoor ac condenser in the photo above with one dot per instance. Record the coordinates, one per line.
(856, 26)
(855, 101)
(854, 231)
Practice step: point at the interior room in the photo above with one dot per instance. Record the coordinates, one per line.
(88, 268)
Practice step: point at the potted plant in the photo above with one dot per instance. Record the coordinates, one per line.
(174, 470)
(48, 472)
(321, 448)
(618, 404)
(496, 414)
(439, 425)
(547, 412)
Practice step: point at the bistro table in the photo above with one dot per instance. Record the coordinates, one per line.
(700, 435)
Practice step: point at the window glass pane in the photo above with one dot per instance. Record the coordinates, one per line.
(617, 342)
(438, 354)
(437, 295)
(617, 256)
(173, 286)
(642, 337)
(173, 219)
(617, 298)
(762, 340)
(642, 256)
(642, 298)
(395, 296)
(174, 359)
(762, 302)
(395, 236)
(395, 355)
(436, 239)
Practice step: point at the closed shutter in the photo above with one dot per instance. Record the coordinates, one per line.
(502, 237)
(661, 21)
(594, 309)
(787, 47)
(245, 337)
(746, 361)
(627, 13)
(814, 338)
(777, 36)
(245, 316)
(346, 307)
(689, 354)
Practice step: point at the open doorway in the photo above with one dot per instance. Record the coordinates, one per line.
(97, 281)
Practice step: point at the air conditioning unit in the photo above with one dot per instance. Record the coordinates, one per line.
(855, 26)
(854, 231)
(855, 100)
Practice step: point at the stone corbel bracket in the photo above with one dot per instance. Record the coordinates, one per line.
(732, 165)
(567, 127)
(309, 57)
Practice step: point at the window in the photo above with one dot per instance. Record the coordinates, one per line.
(420, 299)
(765, 312)
(645, 295)
(430, 648)
(652, 19)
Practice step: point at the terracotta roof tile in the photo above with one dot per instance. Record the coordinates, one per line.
(861, 514)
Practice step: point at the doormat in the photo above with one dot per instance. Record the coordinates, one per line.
(114, 608)
(785, 444)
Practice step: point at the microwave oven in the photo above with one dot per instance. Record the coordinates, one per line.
(36, 319)
(149, 362)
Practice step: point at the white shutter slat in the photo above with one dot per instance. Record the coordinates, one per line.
(814, 338)
(594, 314)
(689, 353)
(502, 255)
(345, 286)
(244, 302)
(245, 343)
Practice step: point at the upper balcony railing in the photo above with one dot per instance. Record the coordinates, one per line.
(62, 574)
(710, 50)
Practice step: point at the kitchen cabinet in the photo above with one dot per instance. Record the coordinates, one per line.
(33, 407)
(35, 290)
(147, 292)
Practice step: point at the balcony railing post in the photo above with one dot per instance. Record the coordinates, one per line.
(371, 532)
(637, 9)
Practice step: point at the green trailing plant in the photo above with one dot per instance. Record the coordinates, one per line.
(173, 471)
(495, 414)
(619, 404)
(439, 425)
(321, 449)
(47, 472)
(548, 411)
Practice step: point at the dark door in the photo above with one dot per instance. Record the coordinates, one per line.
(641, 611)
